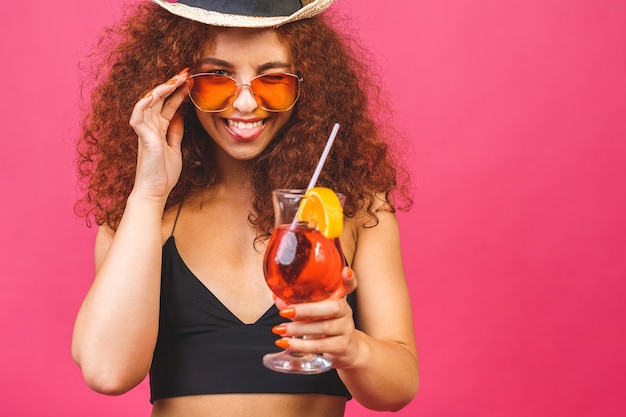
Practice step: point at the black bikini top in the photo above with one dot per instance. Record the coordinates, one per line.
(203, 348)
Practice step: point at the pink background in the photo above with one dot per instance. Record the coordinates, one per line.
(515, 250)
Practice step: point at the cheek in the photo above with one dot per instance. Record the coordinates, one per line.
(283, 118)
(209, 121)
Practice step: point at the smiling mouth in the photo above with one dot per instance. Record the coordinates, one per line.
(246, 131)
(233, 124)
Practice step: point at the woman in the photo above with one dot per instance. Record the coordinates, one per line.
(181, 195)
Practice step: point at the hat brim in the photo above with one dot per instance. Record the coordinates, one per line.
(214, 18)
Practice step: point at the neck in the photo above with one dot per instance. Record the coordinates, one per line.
(233, 174)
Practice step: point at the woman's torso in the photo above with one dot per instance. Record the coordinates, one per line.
(216, 243)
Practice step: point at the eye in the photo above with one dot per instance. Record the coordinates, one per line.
(219, 72)
(273, 78)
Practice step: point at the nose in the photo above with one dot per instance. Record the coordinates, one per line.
(244, 99)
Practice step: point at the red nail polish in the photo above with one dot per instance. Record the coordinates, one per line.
(288, 313)
(350, 273)
(280, 329)
(183, 71)
(282, 343)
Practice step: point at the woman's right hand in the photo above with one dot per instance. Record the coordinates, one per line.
(159, 129)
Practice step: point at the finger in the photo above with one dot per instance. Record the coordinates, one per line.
(348, 283)
(147, 115)
(280, 304)
(349, 280)
(174, 100)
(320, 310)
(151, 102)
(326, 345)
(175, 131)
(157, 96)
(314, 329)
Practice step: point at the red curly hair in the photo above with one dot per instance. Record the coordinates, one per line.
(151, 45)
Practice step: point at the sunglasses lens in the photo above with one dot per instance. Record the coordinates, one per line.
(273, 92)
(276, 92)
(212, 92)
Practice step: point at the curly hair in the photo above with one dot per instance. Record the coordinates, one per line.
(338, 87)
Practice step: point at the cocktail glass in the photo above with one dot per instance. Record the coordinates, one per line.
(300, 265)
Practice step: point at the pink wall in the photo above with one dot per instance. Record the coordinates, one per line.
(515, 250)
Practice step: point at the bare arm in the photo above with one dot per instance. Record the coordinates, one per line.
(381, 365)
(117, 325)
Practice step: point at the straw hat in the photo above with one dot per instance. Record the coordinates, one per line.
(242, 13)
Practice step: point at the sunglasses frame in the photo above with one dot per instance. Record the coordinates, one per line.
(249, 85)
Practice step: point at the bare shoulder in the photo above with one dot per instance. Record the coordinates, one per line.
(106, 235)
(371, 226)
(378, 266)
(381, 215)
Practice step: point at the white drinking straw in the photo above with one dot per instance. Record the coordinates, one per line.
(322, 160)
(318, 169)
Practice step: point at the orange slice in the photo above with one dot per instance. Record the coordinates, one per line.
(321, 208)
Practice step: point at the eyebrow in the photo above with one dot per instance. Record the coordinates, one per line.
(262, 67)
(272, 65)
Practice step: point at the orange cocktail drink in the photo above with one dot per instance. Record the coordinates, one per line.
(312, 274)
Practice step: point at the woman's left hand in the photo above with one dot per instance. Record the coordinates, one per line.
(328, 326)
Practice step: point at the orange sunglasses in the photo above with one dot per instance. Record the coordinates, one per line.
(273, 92)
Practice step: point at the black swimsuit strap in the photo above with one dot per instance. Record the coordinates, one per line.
(176, 219)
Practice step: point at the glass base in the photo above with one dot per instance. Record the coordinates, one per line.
(295, 363)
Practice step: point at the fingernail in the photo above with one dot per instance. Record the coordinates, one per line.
(184, 71)
(288, 313)
(171, 82)
(148, 94)
(282, 343)
(350, 273)
(280, 329)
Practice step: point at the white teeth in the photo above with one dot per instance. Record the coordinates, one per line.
(244, 125)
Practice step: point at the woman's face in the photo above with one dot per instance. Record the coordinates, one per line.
(244, 130)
